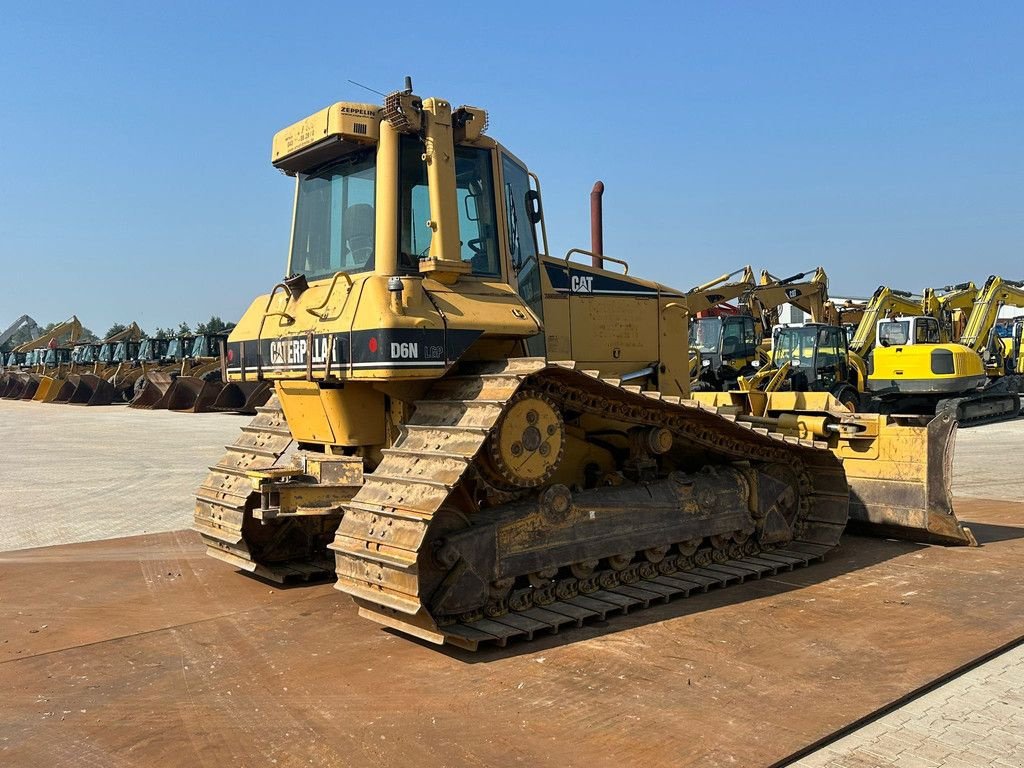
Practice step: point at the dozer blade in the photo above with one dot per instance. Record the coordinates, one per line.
(900, 480)
(190, 394)
(153, 394)
(899, 468)
(243, 396)
(92, 390)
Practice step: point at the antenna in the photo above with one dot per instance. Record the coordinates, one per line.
(368, 88)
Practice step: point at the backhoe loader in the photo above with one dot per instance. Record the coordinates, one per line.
(430, 433)
(23, 385)
(733, 346)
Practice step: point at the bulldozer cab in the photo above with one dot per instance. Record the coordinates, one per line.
(817, 355)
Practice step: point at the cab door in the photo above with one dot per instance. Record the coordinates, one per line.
(521, 240)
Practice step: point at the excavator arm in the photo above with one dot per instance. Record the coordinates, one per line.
(70, 329)
(885, 302)
(719, 291)
(996, 294)
(25, 322)
(811, 296)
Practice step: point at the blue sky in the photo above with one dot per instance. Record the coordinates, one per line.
(880, 140)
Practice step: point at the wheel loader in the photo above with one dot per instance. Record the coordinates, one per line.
(483, 441)
(82, 385)
(151, 388)
(60, 340)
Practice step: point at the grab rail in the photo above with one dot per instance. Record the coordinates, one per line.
(571, 251)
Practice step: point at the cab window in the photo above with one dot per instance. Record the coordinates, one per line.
(474, 181)
(926, 331)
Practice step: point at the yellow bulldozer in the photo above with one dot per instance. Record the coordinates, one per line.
(431, 444)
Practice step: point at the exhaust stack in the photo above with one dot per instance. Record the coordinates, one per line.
(597, 225)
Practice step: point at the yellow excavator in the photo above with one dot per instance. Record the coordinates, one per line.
(47, 352)
(431, 445)
(921, 371)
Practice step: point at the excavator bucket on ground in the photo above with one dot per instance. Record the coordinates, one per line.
(13, 386)
(899, 468)
(193, 394)
(91, 390)
(243, 396)
(153, 394)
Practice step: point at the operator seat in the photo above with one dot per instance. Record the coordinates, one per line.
(358, 224)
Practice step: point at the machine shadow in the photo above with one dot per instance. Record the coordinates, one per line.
(989, 533)
(853, 553)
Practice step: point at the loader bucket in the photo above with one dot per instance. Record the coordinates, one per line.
(243, 396)
(191, 394)
(900, 480)
(49, 387)
(153, 394)
(31, 385)
(92, 390)
(11, 384)
(67, 388)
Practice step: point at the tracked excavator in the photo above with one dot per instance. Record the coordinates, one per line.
(722, 344)
(430, 444)
(927, 373)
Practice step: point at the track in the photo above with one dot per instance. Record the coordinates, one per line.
(386, 544)
(283, 551)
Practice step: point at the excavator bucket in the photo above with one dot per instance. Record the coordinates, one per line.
(153, 394)
(899, 468)
(92, 390)
(243, 396)
(192, 394)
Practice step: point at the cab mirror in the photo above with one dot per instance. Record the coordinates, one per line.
(533, 207)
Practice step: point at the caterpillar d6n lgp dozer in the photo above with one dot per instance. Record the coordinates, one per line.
(426, 431)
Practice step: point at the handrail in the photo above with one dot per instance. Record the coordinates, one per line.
(571, 251)
(259, 334)
(315, 311)
(543, 224)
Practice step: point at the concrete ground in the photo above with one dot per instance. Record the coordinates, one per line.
(976, 719)
(75, 473)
